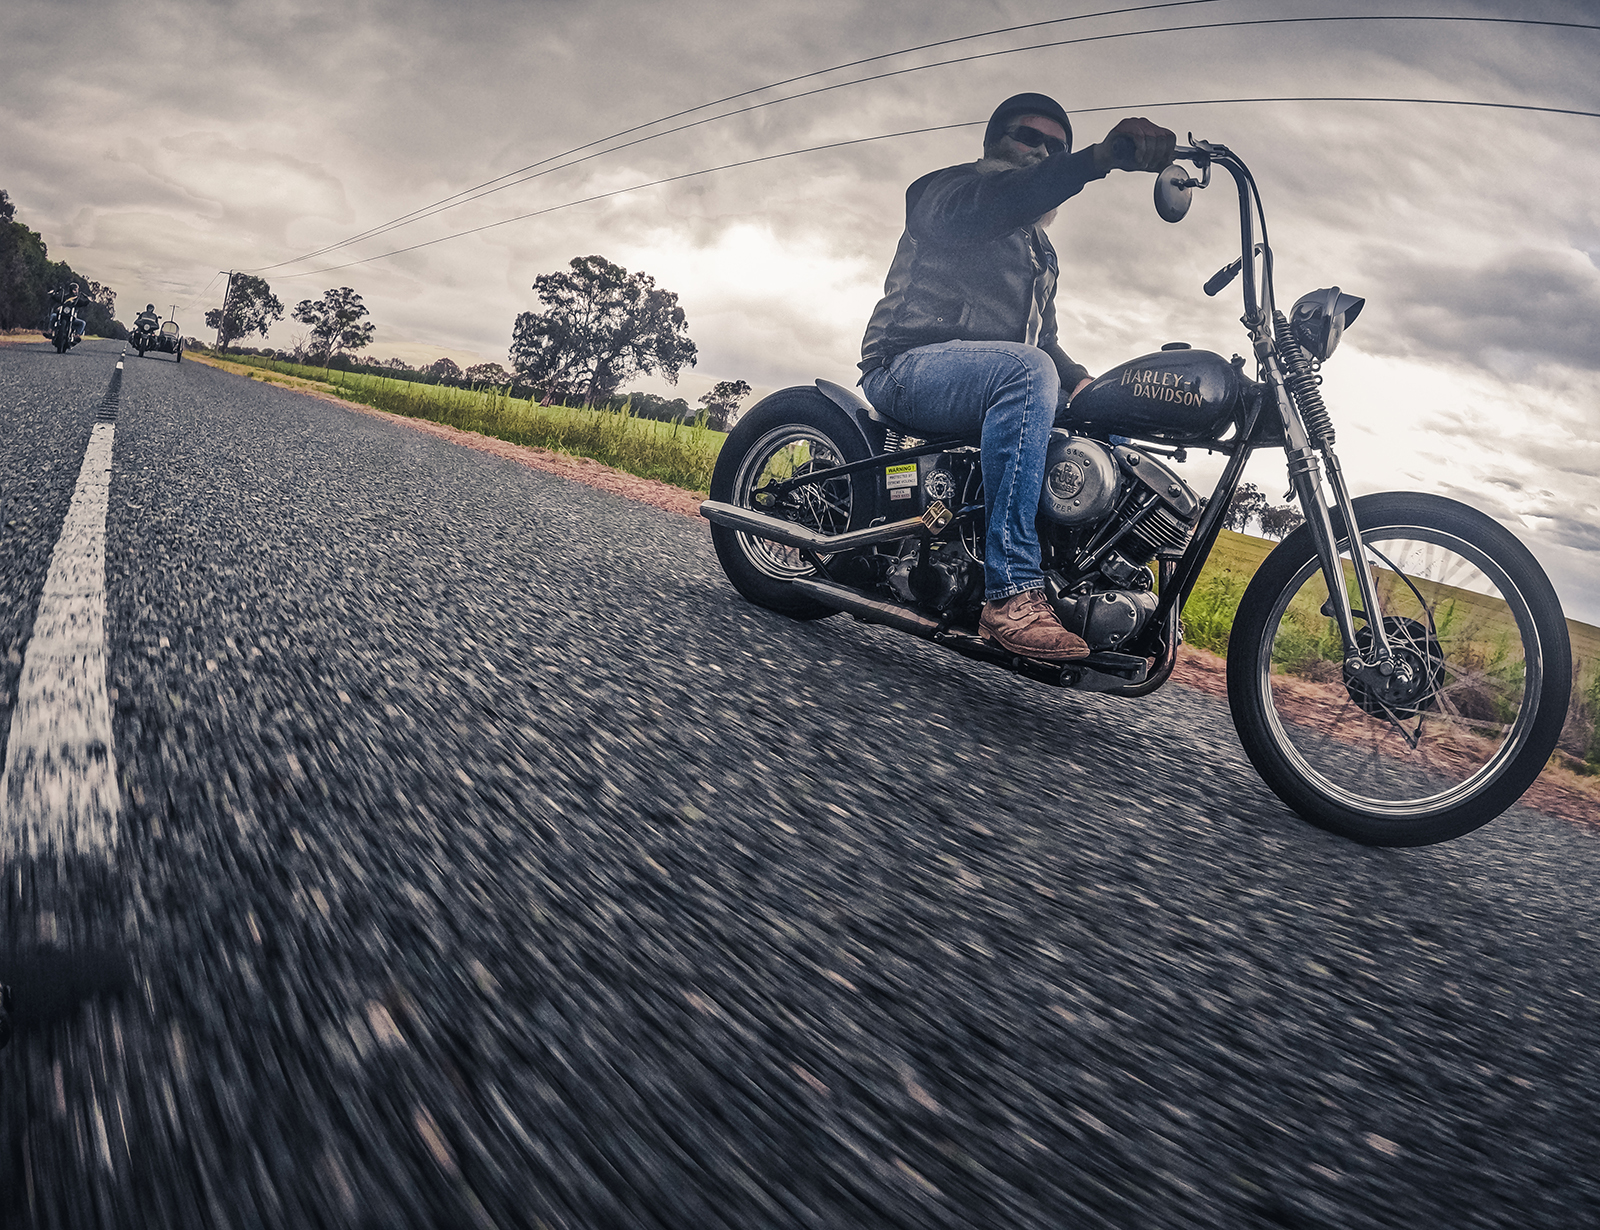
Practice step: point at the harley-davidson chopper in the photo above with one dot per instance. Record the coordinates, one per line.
(1400, 692)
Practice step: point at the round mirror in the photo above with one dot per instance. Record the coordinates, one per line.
(1173, 192)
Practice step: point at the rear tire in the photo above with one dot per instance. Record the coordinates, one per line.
(792, 431)
(1469, 610)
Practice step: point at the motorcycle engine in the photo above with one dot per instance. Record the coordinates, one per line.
(943, 575)
(1112, 509)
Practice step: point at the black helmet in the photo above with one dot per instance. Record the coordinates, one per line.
(149, 307)
(1026, 104)
(73, 287)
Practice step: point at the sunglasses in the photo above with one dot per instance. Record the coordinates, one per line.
(1023, 134)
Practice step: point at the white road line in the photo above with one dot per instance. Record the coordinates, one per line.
(59, 793)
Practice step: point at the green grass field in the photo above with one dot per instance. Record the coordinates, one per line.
(678, 453)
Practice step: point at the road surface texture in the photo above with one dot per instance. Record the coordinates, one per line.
(483, 860)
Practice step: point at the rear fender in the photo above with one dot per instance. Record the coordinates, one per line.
(867, 421)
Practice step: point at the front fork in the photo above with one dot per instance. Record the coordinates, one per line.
(1305, 476)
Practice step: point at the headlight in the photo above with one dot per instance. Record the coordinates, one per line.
(1318, 320)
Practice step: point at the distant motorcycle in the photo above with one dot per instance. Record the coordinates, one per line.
(66, 327)
(167, 338)
(1400, 693)
(144, 333)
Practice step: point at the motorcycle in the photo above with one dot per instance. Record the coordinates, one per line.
(66, 327)
(143, 336)
(1398, 669)
(167, 339)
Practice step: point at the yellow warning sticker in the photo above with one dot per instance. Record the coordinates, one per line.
(901, 476)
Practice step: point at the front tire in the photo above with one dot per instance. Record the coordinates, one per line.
(793, 431)
(1471, 614)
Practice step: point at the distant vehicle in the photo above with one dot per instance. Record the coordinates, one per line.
(167, 339)
(64, 327)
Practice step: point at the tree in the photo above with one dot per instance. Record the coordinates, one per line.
(27, 275)
(445, 369)
(654, 406)
(1280, 520)
(487, 373)
(249, 306)
(604, 326)
(336, 324)
(722, 403)
(1246, 505)
(399, 365)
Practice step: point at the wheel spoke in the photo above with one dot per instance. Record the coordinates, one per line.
(1456, 631)
(788, 453)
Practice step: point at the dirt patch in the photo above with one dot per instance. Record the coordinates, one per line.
(584, 469)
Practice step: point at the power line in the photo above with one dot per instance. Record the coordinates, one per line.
(428, 210)
(203, 289)
(463, 197)
(1127, 107)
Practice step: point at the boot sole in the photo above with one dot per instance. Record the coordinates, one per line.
(1034, 655)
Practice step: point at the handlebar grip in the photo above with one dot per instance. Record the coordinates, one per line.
(1222, 277)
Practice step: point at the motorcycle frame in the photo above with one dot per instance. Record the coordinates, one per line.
(1179, 577)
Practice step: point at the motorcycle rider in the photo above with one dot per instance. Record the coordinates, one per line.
(964, 340)
(69, 300)
(147, 319)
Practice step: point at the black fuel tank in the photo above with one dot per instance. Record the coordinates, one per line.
(1175, 396)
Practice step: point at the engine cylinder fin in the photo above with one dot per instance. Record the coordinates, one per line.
(1161, 530)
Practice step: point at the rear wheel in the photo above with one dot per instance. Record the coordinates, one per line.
(1467, 720)
(793, 432)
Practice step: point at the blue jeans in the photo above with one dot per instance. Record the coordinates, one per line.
(1004, 395)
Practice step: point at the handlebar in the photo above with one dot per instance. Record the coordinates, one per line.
(1122, 148)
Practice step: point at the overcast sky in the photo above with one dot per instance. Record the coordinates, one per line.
(154, 144)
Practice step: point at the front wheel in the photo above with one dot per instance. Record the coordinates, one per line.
(793, 432)
(1482, 646)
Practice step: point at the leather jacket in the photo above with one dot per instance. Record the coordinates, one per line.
(973, 264)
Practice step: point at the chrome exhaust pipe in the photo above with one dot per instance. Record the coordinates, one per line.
(864, 606)
(788, 534)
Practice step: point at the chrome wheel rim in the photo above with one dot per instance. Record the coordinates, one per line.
(1463, 621)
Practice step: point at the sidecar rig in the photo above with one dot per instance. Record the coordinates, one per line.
(168, 339)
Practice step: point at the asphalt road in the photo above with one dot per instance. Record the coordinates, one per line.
(484, 861)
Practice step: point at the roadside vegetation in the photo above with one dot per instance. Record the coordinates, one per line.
(680, 453)
(28, 275)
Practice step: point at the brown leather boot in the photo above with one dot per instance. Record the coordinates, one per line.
(1025, 624)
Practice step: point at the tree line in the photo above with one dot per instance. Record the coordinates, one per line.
(28, 275)
(602, 326)
(1249, 504)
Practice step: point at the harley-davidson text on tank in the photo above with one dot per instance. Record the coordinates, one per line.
(1180, 396)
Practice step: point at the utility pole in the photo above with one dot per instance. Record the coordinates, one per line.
(226, 298)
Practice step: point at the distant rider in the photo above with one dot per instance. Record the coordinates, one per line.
(964, 339)
(70, 299)
(147, 320)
